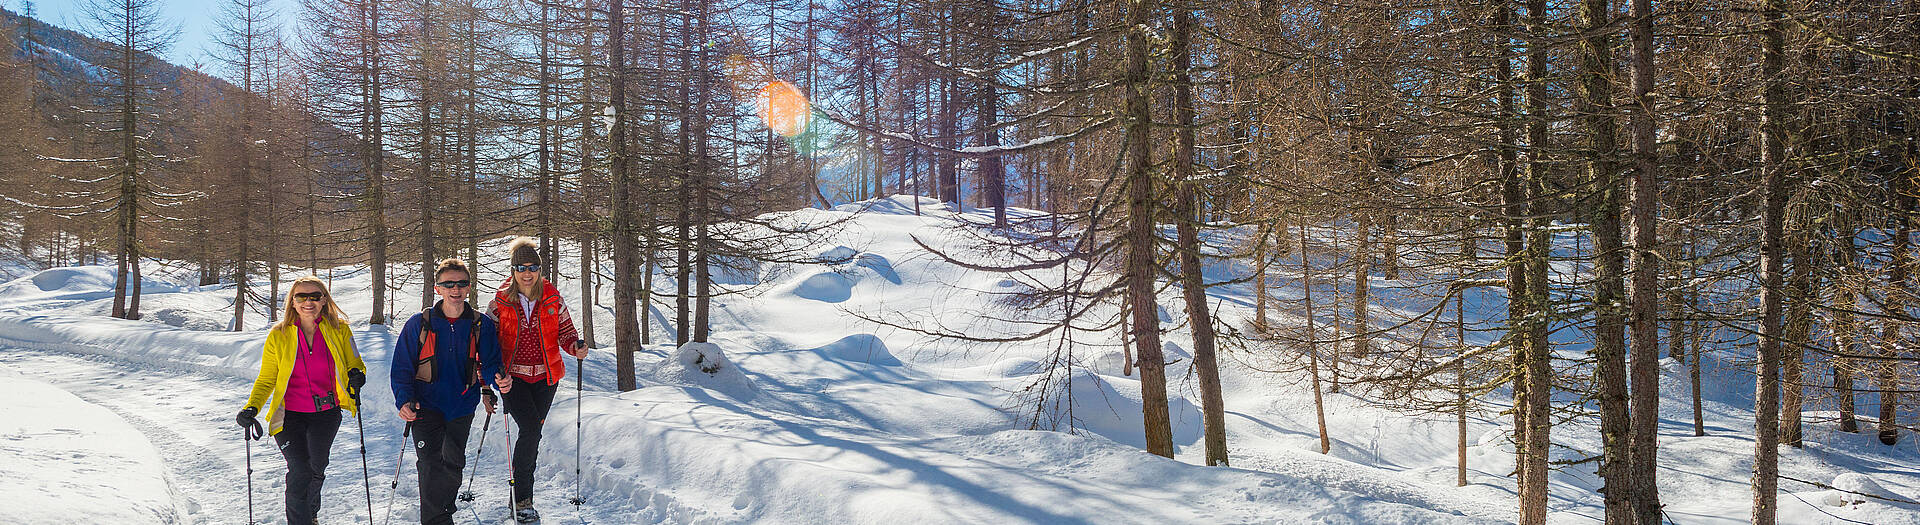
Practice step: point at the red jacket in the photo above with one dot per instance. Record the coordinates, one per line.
(555, 326)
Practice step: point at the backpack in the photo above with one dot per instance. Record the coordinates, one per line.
(424, 369)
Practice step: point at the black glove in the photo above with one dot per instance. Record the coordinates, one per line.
(355, 380)
(487, 396)
(248, 425)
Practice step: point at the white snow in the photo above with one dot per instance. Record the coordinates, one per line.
(806, 407)
(63, 458)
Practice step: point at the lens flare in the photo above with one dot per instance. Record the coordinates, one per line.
(784, 109)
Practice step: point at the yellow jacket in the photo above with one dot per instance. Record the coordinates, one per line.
(276, 369)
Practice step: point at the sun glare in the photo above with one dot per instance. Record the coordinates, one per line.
(784, 108)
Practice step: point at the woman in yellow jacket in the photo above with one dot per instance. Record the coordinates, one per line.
(311, 371)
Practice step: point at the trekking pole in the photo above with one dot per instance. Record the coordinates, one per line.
(507, 430)
(366, 477)
(579, 377)
(247, 439)
(394, 490)
(467, 495)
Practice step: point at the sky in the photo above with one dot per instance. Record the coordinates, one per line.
(194, 18)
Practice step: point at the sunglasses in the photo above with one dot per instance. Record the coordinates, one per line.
(463, 283)
(309, 297)
(529, 267)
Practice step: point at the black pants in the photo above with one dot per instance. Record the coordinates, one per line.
(306, 440)
(528, 403)
(442, 445)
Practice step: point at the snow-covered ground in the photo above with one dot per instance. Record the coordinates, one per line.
(65, 457)
(820, 414)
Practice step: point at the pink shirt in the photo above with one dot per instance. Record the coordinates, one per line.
(312, 373)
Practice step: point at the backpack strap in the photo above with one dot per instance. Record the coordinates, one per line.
(424, 369)
(423, 366)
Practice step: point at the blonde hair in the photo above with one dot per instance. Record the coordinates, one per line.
(331, 314)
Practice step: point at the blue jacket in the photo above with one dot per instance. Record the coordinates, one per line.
(447, 394)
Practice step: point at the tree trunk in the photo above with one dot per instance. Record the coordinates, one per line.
(683, 219)
(127, 261)
(373, 153)
(1644, 374)
(1609, 338)
(1362, 326)
(1766, 456)
(993, 171)
(626, 326)
(1846, 328)
(1468, 243)
(1532, 400)
(649, 261)
(1901, 264)
(1695, 341)
(1390, 247)
(588, 300)
(424, 177)
(549, 247)
(1262, 258)
(1798, 324)
(703, 256)
(1193, 283)
(1141, 238)
(1313, 341)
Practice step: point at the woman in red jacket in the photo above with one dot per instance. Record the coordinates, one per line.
(534, 329)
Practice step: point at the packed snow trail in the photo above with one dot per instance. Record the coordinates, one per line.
(188, 417)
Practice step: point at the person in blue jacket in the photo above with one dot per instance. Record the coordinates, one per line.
(439, 361)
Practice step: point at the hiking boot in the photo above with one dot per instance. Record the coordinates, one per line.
(523, 511)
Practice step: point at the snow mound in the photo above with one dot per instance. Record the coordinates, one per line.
(1112, 362)
(1110, 406)
(73, 279)
(66, 457)
(879, 264)
(735, 271)
(81, 283)
(185, 318)
(836, 255)
(703, 365)
(826, 287)
(891, 205)
(861, 348)
(60, 280)
(1016, 367)
(1852, 489)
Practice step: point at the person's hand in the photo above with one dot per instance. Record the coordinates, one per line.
(579, 349)
(486, 399)
(503, 382)
(355, 380)
(248, 425)
(407, 411)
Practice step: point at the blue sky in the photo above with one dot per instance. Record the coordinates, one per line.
(194, 18)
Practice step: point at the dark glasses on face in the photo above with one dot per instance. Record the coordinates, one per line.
(529, 267)
(463, 283)
(309, 297)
